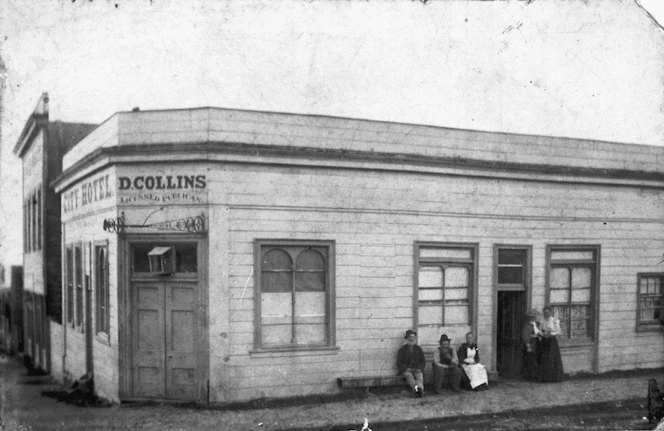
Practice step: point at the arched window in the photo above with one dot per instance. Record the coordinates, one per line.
(294, 296)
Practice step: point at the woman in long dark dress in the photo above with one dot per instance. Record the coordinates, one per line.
(550, 363)
(530, 335)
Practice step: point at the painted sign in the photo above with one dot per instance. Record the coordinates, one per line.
(161, 189)
(89, 191)
(161, 182)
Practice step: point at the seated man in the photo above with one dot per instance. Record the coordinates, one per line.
(445, 366)
(411, 363)
(474, 374)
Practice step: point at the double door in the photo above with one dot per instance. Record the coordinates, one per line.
(164, 339)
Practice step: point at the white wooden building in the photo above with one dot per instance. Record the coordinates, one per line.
(235, 255)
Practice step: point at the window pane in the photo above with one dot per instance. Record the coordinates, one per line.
(562, 312)
(456, 315)
(650, 308)
(276, 259)
(310, 334)
(310, 318)
(186, 258)
(646, 309)
(559, 296)
(559, 278)
(579, 329)
(276, 281)
(658, 309)
(309, 281)
(446, 253)
(141, 261)
(579, 321)
(571, 255)
(581, 278)
(430, 315)
(431, 276)
(276, 335)
(277, 319)
(276, 308)
(580, 311)
(430, 295)
(78, 265)
(510, 275)
(651, 285)
(310, 259)
(70, 266)
(580, 295)
(310, 307)
(456, 277)
(456, 294)
(657, 285)
(511, 257)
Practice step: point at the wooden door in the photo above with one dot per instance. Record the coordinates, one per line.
(180, 324)
(164, 340)
(511, 308)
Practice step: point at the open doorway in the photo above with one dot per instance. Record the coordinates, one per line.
(511, 307)
(513, 281)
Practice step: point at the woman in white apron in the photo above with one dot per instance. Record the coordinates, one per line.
(474, 374)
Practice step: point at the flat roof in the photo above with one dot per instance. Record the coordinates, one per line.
(205, 129)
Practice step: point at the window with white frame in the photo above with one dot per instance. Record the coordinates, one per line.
(572, 288)
(295, 294)
(651, 301)
(445, 284)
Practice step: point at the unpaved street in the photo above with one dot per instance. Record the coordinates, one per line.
(597, 403)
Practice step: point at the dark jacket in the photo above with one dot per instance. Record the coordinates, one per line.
(407, 358)
(462, 353)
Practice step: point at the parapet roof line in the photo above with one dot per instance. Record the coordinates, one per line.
(382, 122)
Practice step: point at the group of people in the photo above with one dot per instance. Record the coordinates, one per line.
(541, 354)
(462, 368)
(453, 368)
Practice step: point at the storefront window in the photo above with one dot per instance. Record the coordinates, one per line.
(445, 280)
(572, 284)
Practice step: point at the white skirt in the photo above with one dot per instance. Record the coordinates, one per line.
(477, 374)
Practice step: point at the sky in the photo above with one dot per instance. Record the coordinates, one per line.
(575, 68)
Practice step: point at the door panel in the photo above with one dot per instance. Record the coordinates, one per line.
(165, 360)
(181, 341)
(148, 340)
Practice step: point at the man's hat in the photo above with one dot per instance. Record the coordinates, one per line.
(444, 338)
(409, 333)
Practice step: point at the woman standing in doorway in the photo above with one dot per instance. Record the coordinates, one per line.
(530, 340)
(550, 364)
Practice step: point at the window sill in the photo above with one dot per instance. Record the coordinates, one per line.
(295, 351)
(654, 327)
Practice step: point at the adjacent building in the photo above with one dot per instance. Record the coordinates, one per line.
(41, 145)
(217, 255)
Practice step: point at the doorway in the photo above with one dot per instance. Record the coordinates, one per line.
(511, 309)
(165, 320)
